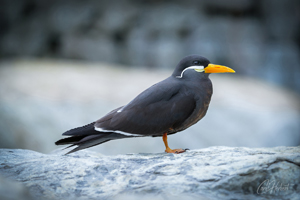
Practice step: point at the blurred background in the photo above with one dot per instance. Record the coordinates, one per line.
(67, 63)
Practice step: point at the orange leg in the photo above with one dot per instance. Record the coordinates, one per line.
(168, 149)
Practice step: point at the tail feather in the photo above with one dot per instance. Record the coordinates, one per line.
(87, 144)
(93, 140)
(83, 142)
(86, 136)
(88, 129)
(69, 140)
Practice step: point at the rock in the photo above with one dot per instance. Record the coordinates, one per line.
(212, 173)
(13, 190)
(41, 99)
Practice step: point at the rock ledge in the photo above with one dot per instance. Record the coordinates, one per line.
(214, 173)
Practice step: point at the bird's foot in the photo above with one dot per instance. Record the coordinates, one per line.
(176, 151)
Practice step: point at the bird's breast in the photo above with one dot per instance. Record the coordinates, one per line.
(202, 94)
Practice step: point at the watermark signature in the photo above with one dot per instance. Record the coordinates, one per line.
(273, 187)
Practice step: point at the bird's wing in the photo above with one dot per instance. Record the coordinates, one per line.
(158, 109)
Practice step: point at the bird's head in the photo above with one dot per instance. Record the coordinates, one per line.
(198, 64)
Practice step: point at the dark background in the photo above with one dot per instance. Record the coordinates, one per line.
(259, 38)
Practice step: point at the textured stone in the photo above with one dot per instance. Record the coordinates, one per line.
(13, 190)
(214, 173)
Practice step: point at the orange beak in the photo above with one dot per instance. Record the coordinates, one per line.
(212, 68)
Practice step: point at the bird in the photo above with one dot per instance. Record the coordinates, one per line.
(167, 107)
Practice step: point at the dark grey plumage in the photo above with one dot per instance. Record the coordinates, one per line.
(169, 106)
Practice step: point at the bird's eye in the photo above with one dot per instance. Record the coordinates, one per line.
(196, 62)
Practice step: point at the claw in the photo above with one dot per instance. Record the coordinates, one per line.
(176, 151)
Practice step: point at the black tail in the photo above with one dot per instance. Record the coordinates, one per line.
(86, 136)
(88, 129)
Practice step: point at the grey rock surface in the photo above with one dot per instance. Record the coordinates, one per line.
(13, 190)
(41, 99)
(211, 173)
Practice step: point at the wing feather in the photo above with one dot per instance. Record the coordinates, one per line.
(156, 110)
